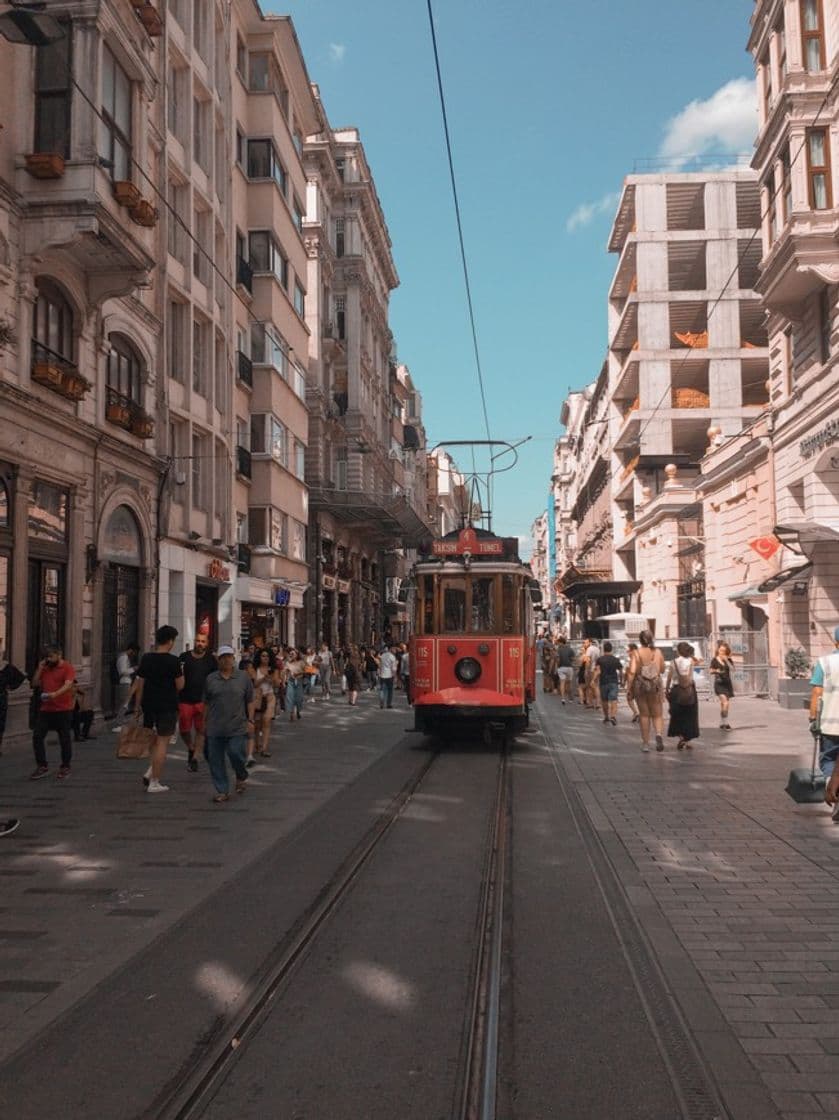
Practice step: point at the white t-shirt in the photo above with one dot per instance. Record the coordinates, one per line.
(387, 665)
(125, 669)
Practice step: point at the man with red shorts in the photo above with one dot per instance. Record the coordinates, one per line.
(196, 666)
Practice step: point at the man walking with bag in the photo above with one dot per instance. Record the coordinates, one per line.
(825, 689)
(229, 708)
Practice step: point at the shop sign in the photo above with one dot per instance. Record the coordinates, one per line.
(468, 542)
(216, 570)
(282, 596)
(343, 587)
(329, 582)
(827, 435)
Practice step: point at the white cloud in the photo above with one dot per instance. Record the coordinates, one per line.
(725, 123)
(586, 212)
(337, 52)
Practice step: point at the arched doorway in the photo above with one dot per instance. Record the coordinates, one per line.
(122, 559)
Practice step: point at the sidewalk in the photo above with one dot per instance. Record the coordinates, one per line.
(745, 879)
(99, 869)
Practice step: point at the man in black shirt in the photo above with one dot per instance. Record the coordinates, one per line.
(196, 666)
(564, 668)
(607, 672)
(157, 684)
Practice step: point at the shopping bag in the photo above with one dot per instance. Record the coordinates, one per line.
(806, 785)
(135, 741)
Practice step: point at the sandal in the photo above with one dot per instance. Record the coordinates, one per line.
(264, 754)
(221, 797)
(680, 746)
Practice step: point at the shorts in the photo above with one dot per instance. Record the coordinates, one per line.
(164, 723)
(191, 716)
(609, 692)
(565, 673)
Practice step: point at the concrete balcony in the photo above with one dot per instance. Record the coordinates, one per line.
(626, 334)
(112, 243)
(803, 259)
(625, 279)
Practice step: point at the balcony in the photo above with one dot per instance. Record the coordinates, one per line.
(55, 372)
(244, 465)
(126, 413)
(244, 274)
(244, 369)
(801, 261)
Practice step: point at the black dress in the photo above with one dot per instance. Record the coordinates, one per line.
(684, 718)
(722, 678)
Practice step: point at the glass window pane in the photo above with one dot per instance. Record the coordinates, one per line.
(108, 78)
(4, 604)
(483, 604)
(258, 433)
(817, 149)
(259, 159)
(122, 100)
(48, 513)
(260, 251)
(454, 606)
(508, 605)
(4, 515)
(278, 440)
(122, 161)
(811, 15)
(814, 55)
(820, 192)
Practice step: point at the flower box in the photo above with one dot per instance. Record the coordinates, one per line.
(118, 413)
(45, 165)
(143, 213)
(126, 193)
(73, 385)
(142, 426)
(47, 373)
(150, 19)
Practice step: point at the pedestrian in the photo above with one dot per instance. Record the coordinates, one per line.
(681, 693)
(126, 668)
(263, 674)
(11, 678)
(295, 672)
(722, 667)
(824, 719)
(82, 715)
(607, 674)
(564, 668)
(630, 699)
(228, 699)
(371, 668)
(548, 666)
(351, 675)
(54, 679)
(405, 672)
(311, 672)
(643, 680)
(387, 672)
(196, 666)
(592, 654)
(581, 674)
(155, 692)
(326, 667)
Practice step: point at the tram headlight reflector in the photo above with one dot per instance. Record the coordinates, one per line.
(467, 670)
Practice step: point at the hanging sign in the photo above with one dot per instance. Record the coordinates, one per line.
(217, 570)
(469, 541)
(765, 547)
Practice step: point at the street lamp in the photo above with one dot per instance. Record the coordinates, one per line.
(30, 26)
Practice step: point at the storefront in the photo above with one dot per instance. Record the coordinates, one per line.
(121, 559)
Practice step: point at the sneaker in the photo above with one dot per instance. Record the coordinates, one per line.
(9, 826)
(39, 772)
(147, 777)
(241, 785)
(722, 727)
(605, 719)
(192, 765)
(727, 726)
(156, 787)
(63, 772)
(645, 747)
(659, 743)
(250, 763)
(563, 703)
(614, 723)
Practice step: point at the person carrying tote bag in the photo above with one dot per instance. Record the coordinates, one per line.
(681, 692)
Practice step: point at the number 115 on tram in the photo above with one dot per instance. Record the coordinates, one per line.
(472, 653)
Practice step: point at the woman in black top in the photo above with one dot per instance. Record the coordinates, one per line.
(723, 667)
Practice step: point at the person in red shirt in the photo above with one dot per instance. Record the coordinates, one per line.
(55, 679)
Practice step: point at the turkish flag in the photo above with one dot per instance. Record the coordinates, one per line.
(765, 547)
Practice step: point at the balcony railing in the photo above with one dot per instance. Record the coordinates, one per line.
(126, 413)
(53, 370)
(243, 462)
(244, 274)
(244, 368)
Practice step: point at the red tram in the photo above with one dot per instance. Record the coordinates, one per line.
(472, 654)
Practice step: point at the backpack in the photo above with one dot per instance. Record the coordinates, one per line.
(649, 677)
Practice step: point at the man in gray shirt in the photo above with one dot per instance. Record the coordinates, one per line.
(228, 718)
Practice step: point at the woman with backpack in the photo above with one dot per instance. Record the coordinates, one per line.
(681, 693)
(643, 683)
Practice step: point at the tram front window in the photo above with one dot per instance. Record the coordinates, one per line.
(483, 605)
(454, 606)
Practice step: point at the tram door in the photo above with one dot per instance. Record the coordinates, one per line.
(120, 624)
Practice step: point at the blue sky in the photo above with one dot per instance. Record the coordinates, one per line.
(550, 105)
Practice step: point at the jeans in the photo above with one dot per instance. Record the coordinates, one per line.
(294, 696)
(53, 721)
(386, 691)
(217, 750)
(827, 755)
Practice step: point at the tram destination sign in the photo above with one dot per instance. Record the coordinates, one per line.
(468, 541)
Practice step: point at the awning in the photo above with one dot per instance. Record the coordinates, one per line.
(750, 592)
(601, 589)
(807, 533)
(800, 572)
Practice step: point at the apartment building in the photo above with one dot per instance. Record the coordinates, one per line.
(794, 44)
(447, 496)
(273, 107)
(688, 363)
(539, 554)
(365, 431)
(82, 369)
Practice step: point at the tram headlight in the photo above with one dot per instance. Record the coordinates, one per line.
(467, 670)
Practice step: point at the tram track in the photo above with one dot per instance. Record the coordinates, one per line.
(474, 1096)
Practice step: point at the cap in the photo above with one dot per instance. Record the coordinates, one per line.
(222, 650)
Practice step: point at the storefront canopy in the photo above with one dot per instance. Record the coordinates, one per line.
(798, 572)
(749, 593)
(805, 534)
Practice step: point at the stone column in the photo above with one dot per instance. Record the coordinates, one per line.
(19, 573)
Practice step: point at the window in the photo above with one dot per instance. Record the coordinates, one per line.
(340, 167)
(200, 10)
(786, 359)
(53, 94)
(177, 223)
(177, 341)
(178, 104)
(199, 496)
(201, 262)
(48, 513)
(299, 300)
(52, 330)
(124, 369)
(341, 317)
(298, 540)
(269, 437)
(241, 58)
(115, 124)
(483, 604)
(268, 347)
(786, 171)
(240, 146)
(818, 168)
(339, 237)
(454, 605)
(299, 459)
(268, 528)
(772, 206)
(201, 133)
(781, 36)
(768, 92)
(297, 211)
(812, 35)
(220, 477)
(264, 163)
(266, 256)
(825, 322)
(200, 355)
